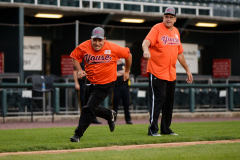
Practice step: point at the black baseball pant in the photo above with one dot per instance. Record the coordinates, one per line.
(121, 92)
(81, 94)
(96, 94)
(161, 93)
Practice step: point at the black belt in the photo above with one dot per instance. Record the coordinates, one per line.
(87, 83)
(118, 83)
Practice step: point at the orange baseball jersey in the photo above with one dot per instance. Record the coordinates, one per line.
(100, 66)
(164, 49)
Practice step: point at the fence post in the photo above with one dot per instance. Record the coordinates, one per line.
(4, 104)
(105, 102)
(192, 99)
(57, 99)
(230, 99)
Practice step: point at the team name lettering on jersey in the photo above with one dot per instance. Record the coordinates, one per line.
(97, 59)
(170, 40)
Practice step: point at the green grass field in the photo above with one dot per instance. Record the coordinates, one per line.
(14, 140)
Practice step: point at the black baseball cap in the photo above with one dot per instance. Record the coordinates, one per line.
(170, 10)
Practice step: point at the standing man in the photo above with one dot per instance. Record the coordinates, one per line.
(100, 58)
(121, 92)
(162, 47)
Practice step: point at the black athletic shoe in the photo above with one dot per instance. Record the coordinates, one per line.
(75, 138)
(111, 122)
(129, 122)
(95, 121)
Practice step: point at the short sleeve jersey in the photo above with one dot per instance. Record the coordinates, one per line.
(164, 49)
(100, 66)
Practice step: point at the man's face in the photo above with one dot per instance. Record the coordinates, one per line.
(169, 20)
(97, 43)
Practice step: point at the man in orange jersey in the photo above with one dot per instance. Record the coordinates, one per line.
(100, 58)
(162, 47)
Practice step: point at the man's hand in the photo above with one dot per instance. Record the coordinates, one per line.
(77, 86)
(121, 72)
(147, 55)
(126, 75)
(190, 77)
(81, 74)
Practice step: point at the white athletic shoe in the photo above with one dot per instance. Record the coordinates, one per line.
(174, 134)
(154, 134)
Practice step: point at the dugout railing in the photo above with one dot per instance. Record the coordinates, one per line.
(228, 98)
(118, 5)
(223, 8)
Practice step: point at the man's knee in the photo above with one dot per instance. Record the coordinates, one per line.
(89, 109)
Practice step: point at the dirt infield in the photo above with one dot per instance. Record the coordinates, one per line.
(121, 147)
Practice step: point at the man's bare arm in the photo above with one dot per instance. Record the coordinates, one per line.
(145, 46)
(183, 62)
(128, 63)
(77, 86)
(80, 73)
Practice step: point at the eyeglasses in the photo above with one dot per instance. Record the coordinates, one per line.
(169, 17)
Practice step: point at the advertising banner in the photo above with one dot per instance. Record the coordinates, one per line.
(144, 67)
(66, 65)
(121, 43)
(32, 53)
(191, 55)
(221, 68)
